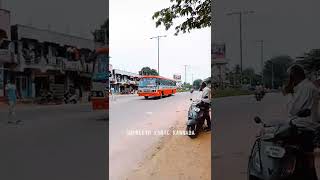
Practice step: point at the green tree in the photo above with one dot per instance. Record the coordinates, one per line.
(196, 83)
(233, 76)
(148, 71)
(250, 77)
(278, 65)
(196, 15)
(186, 86)
(311, 61)
(101, 35)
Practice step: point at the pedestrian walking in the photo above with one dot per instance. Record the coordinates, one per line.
(12, 101)
(112, 94)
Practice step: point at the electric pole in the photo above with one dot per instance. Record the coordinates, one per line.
(158, 38)
(240, 13)
(272, 76)
(185, 74)
(261, 57)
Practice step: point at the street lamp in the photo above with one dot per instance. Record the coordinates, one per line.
(240, 13)
(158, 38)
(262, 47)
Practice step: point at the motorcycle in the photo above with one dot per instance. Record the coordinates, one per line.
(196, 118)
(70, 98)
(278, 152)
(258, 96)
(46, 98)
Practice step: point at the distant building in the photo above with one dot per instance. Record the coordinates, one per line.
(6, 50)
(123, 81)
(46, 58)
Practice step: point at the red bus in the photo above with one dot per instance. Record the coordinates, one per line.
(100, 81)
(156, 86)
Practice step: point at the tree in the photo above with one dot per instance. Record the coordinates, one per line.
(197, 15)
(234, 76)
(197, 83)
(250, 77)
(311, 61)
(101, 35)
(278, 65)
(187, 86)
(148, 71)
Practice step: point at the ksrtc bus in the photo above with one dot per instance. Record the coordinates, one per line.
(100, 80)
(156, 86)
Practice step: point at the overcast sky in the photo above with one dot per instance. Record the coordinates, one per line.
(288, 27)
(131, 48)
(82, 16)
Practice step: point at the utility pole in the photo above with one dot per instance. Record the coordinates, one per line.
(240, 13)
(272, 84)
(158, 38)
(185, 74)
(262, 62)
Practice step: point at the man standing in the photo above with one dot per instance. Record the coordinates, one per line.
(12, 101)
(206, 100)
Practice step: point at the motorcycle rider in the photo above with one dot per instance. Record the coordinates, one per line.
(205, 102)
(303, 95)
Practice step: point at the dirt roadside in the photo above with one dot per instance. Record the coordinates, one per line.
(177, 157)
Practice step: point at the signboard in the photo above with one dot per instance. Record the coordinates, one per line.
(177, 77)
(5, 56)
(70, 65)
(218, 52)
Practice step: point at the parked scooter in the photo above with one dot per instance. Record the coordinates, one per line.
(70, 98)
(196, 118)
(279, 152)
(46, 97)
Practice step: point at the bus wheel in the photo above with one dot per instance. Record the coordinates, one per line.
(146, 97)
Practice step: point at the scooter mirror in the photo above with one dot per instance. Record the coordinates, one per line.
(257, 120)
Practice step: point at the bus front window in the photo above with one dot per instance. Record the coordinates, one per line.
(147, 82)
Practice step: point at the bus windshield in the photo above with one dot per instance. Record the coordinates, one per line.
(147, 82)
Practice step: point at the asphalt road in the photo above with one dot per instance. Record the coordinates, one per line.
(235, 131)
(128, 113)
(55, 143)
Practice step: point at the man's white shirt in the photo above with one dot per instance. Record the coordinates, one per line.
(305, 96)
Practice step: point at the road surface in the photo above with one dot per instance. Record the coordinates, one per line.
(235, 131)
(56, 142)
(135, 113)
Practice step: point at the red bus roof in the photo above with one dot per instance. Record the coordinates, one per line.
(159, 77)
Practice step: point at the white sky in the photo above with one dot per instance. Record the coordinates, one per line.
(131, 48)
